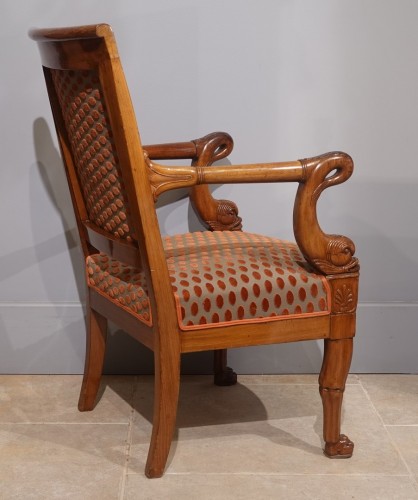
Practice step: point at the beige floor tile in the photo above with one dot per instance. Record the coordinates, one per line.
(52, 398)
(394, 396)
(51, 461)
(259, 439)
(265, 429)
(264, 487)
(406, 439)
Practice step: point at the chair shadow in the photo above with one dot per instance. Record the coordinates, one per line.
(204, 405)
(49, 165)
(52, 174)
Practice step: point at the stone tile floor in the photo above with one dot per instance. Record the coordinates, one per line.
(260, 439)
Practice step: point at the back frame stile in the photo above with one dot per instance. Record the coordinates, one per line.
(94, 48)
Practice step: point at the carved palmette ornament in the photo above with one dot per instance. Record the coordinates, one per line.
(344, 300)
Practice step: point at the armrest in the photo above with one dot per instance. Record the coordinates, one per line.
(165, 177)
(328, 254)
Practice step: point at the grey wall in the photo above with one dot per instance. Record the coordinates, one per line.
(288, 79)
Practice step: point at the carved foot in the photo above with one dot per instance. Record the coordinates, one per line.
(341, 449)
(225, 377)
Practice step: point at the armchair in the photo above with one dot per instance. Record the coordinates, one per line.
(209, 290)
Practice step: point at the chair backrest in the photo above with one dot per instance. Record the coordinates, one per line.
(99, 176)
(101, 149)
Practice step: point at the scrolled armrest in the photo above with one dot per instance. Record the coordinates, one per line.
(327, 253)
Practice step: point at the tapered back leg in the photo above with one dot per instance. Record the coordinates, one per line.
(95, 351)
(166, 394)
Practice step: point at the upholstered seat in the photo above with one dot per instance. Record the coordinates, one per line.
(220, 278)
(212, 290)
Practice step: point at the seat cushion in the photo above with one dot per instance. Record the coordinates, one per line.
(219, 278)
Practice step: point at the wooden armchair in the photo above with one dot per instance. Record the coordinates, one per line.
(208, 290)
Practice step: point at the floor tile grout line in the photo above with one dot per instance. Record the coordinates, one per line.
(286, 384)
(279, 474)
(62, 423)
(392, 441)
(401, 425)
(122, 487)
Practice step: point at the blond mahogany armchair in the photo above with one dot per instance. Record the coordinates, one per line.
(208, 290)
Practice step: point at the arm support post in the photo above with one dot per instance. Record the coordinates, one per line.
(328, 254)
(219, 215)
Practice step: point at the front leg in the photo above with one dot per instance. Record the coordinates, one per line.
(336, 363)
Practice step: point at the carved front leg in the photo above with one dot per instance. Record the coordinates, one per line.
(337, 359)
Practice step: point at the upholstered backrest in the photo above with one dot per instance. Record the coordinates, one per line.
(107, 172)
(99, 139)
(84, 113)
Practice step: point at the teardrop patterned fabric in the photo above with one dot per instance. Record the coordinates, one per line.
(85, 116)
(122, 284)
(219, 278)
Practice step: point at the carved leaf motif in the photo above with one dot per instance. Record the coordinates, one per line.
(164, 178)
(344, 299)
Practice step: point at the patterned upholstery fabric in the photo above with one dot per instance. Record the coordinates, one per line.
(123, 284)
(85, 117)
(221, 277)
